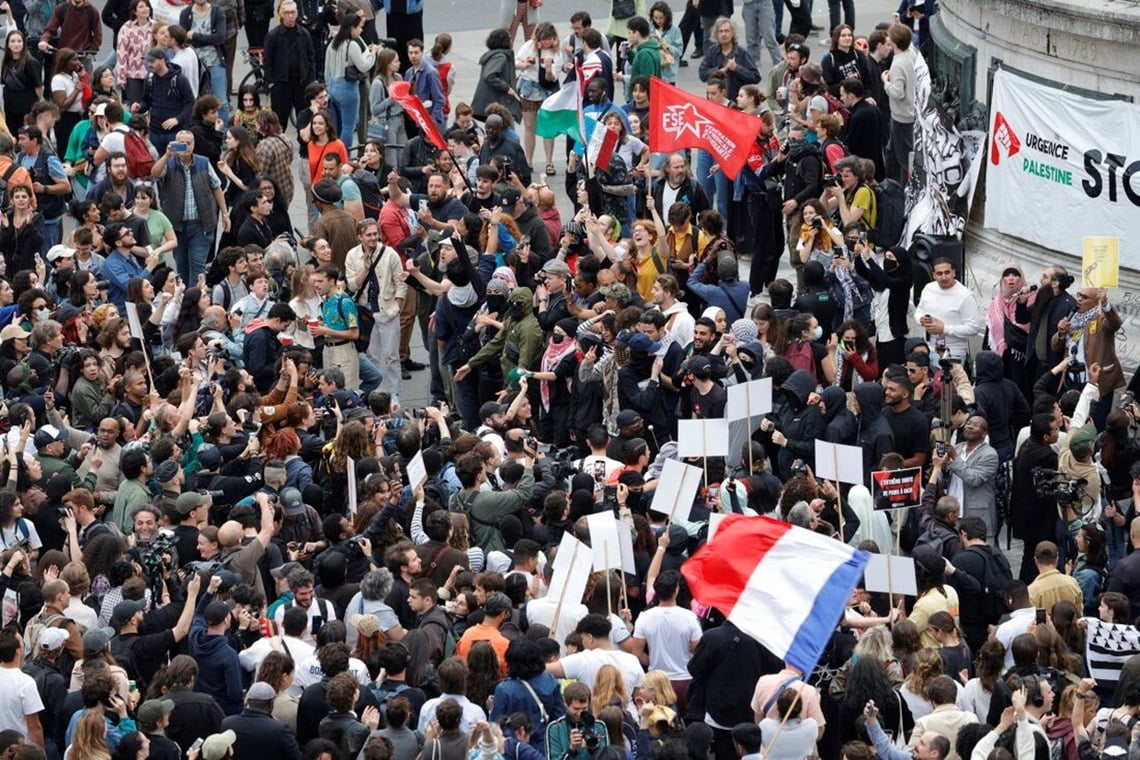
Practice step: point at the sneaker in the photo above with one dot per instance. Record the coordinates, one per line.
(684, 63)
(696, 53)
(405, 375)
(825, 41)
(410, 365)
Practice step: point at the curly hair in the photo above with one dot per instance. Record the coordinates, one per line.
(354, 442)
(483, 673)
(507, 221)
(100, 554)
(927, 667)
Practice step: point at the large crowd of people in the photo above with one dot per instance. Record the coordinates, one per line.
(224, 534)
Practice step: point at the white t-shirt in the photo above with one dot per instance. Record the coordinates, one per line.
(21, 699)
(318, 608)
(67, 84)
(584, 666)
(187, 60)
(22, 530)
(308, 672)
(669, 633)
(252, 657)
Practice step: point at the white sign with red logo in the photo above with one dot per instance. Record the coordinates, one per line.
(1062, 167)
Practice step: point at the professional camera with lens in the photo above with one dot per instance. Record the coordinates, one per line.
(817, 223)
(565, 464)
(585, 725)
(831, 179)
(1051, 484)
(357, 543)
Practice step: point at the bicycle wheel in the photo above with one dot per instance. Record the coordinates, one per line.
(260, 86)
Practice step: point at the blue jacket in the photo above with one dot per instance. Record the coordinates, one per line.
(427, 87)
(118, 271)
(259, 355)
(511, 696)
(168, 97)
(410, 7)
(219, 672)
(730, 296)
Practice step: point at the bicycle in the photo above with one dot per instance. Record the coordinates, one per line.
(255, 57)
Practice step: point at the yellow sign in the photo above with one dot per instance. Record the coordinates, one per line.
(1100, 267)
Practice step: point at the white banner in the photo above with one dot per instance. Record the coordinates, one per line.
(1062, 167)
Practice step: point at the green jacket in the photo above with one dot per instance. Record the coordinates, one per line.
(132, 495)
(485, 508)
(519, 343)
(646, 60)
(53, 465)
(558, 741)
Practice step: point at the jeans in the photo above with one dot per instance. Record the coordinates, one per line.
(370, 377)
(346, 94)
(53, 232)
(194, 246)
(760, 27)
(219, 88)
(468, 392)
(160, 140)
(384, 351)
(716, 187)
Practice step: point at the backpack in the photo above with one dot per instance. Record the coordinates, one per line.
(800, 355)
(382, 695)
(139, 159)
(996, 575)
(369, 192)
(890, 204)
(34, 629)
(7, 175)
(835, 105)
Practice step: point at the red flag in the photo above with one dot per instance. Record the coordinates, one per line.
(680, 120)
(401, 92)
(600, 149)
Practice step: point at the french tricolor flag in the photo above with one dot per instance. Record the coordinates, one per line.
(784, 586)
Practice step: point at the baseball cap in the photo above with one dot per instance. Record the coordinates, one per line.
(156, 54)
(557, 266)
(291, 502)
(153, 710)
(124, 611)
(209, 456)
(627, 418)
(700, 366)
(57, 252)
(327, 191)
(12, 332)
(261, 692)
(642, 342)
(217, 745)
(188, 502)
(282, 572)
(48, 435)
(216, 612)
(52, 639)
(490, 409)
(96, 640)
(509, 198)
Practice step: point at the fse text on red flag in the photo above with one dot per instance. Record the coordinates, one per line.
(678, 119)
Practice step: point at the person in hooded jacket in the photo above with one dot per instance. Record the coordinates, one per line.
(798, 425)
(840, 424)
(892, 281)
(717, 283)
(1001, 402)
(875, 436)
(639, 388)
(518, 344)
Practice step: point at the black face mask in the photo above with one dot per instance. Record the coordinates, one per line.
(496, 303)
(556, 339)
(517, 310)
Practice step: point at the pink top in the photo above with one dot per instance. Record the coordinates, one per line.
(134, 42)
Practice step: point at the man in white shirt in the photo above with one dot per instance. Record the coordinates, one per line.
(670, 632)
(295, 622)
(319, 611)
(949, 312)
(679, 322)
(21, 706)
(599, 651)
(373, 272)
(453, 674)
(1022, 615)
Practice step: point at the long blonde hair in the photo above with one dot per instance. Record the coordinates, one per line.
(90, 741)
(658, 682)
(608, 686)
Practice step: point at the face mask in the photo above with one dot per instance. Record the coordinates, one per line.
(43, 314)
(517, 310)
(556, 339)
(817, 333)
(496, 303)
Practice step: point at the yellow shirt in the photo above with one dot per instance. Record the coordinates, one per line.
(1051, 587)
(929, 603)
(647, 274)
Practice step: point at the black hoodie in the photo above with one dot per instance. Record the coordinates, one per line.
(800, 422)
(899, 282)
(1000, 400)
(876, 437)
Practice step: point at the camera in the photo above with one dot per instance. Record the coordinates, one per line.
(585, 725)
(831, 179)
(565, 464)
(103, 284)
(357, 543)
(215, 495)
(1069, 492)
(817, 223)
(799, 467)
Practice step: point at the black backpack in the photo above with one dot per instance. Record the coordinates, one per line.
(996, 575)
(370, 195)
(890, 200)
(4, 179)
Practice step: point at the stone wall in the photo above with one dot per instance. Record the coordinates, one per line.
(1093, 46)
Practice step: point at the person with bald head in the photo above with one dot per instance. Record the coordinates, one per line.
(971, 468)
(241, 554)
(193, 200)
(543, 199)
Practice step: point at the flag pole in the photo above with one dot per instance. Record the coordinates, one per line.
(748, 410)
(609, 577)
(838, 485)
(562, 595)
